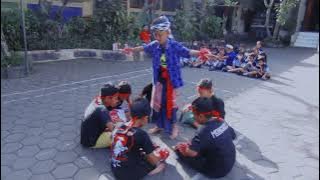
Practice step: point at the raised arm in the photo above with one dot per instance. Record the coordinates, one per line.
(134, 49)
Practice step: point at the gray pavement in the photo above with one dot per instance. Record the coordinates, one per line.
(277, 121)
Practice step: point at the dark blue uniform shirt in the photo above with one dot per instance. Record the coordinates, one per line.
(213, 142)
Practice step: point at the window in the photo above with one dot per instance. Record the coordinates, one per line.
(169, 5)
(136, 4)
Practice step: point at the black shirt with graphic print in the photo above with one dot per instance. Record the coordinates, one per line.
(213, 142)
(129, 148)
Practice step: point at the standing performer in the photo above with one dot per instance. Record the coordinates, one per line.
(167, 77)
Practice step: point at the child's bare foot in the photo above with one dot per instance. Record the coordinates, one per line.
(175, 132)
(158, 169)
(154, 130)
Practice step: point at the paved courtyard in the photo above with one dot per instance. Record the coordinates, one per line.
(277, 121)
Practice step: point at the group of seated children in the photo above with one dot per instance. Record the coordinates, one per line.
(251, 63)
(113, 120)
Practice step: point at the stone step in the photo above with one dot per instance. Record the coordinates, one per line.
(309, 34)
(308, 41)
(308, 37)
(309, 45)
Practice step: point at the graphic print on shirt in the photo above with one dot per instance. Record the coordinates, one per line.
(119, 149)
(163, 60)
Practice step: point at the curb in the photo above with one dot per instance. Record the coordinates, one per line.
(44, 56)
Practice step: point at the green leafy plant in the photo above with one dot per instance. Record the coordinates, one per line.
(15, 59)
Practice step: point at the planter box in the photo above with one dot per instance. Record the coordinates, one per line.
(113, 56)
(85, 54)
(45, 56)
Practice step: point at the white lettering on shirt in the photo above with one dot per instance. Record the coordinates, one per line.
(217, 132)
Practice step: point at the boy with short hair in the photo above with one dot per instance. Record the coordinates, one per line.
(245, 67)
(262, 69)
(121, 113)
(205, 89)
(97, 125)
(237, 61)
(230, 55)
(134, 156)
(259, 47)
(211, 152)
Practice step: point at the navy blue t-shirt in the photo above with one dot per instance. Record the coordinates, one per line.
(231, 56)
(213, 142)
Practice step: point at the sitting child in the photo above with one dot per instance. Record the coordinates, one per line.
(246, 66)
(230, 55)
(202, 59)
(124, 101)
(237, 62)
(205, 89)
(97, 125)
(259, 47)
(211, 152)
(261, 71)
(134, 156)
(147, 92)
(218, 60)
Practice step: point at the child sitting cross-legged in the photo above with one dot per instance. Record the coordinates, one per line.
(218, 60)
(237, 62)
(261, 71)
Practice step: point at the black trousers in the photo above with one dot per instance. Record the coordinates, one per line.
(199, 164)
(137, 172)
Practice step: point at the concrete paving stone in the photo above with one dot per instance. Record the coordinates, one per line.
(4, 134)
(87, 173)
(52, 125)
(34, 131)
(22, 121)
(31, 140)
(46, 154)
(11, 147)
(15, 137)
(251, 155)
(37, 124)
(42, 167)
(84, 162)
(68, 121)
(65, 171)
(43, 177)
(6, 126)
(24, 162)
(310, 172)
(67, 136)
(28, 151)
(19, 175)
(51, 134)
(51, 119)
(5, 170)
(106, 176)
(49, 143)
(69, 128)
(65, 157)
(66, 145)
(8, 159)
(268, 166)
